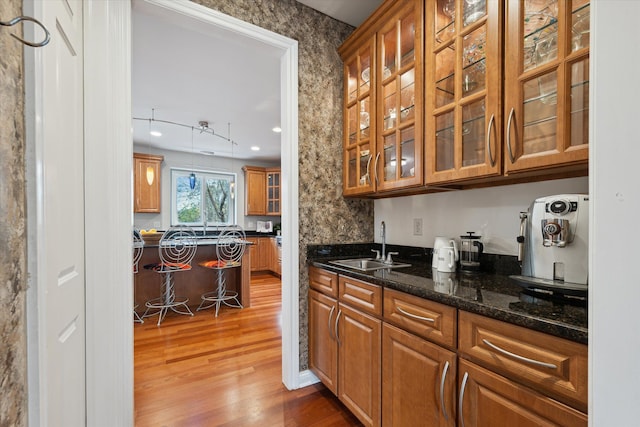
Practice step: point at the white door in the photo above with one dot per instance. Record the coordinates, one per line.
(60, 230)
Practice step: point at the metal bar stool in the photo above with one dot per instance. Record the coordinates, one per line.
(138, 246)
(177, 247)
(229, 249)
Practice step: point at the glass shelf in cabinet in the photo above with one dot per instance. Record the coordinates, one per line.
(540, 121)
(547, 98)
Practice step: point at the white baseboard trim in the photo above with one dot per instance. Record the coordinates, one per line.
(307, 378)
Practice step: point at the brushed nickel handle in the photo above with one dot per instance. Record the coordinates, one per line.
(329, 322)
(336, 327)
(415, 316)
(369, 164)
(513, 159)
(463, 386)
(375, 168)
(492, 160)
(442, 380)
(518, 357)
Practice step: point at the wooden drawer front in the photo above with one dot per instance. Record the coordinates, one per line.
(362, 295)
(431, 320)
(323, 281)
(552, 365)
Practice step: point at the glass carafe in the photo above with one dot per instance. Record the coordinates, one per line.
(470, 251)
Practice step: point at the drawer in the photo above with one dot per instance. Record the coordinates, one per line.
(323, 281)
(554, 366)
(362, 295)
(431, 320)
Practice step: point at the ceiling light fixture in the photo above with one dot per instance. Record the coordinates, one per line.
(155, 133)
(277, 129)
(255, 148)
(203, 126)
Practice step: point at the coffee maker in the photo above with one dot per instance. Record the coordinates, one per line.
(553, 243)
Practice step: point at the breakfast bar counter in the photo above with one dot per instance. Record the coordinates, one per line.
(191, 283)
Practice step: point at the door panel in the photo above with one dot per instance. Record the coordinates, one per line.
(61, 229)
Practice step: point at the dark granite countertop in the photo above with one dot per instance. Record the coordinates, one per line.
(489, 293)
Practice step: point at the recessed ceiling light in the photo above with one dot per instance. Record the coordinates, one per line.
(155, 133)
(277, 129)
(208, 153)
(255, 148)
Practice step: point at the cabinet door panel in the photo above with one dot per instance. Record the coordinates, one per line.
(489, 400)
(547, 80)
(419, 381)
(323, 350)
(359, 348)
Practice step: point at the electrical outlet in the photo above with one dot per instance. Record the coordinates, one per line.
(417, 226)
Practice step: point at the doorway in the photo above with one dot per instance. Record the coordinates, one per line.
(289, 163)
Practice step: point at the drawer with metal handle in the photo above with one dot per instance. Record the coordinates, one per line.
(428, 319)
(551, 365)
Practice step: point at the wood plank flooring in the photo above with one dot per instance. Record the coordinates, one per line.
(225, 371)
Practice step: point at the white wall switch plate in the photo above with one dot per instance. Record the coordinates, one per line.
(417, 226)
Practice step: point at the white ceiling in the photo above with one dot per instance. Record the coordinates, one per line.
(189, 71)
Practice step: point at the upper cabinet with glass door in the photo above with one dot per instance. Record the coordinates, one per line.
(383, 149)
(547, 81)
(399, 156)
(359, 121)
(464, 87)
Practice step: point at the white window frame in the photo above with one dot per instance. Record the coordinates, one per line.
(201, 174)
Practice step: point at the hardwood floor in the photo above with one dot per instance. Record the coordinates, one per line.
(225, 371)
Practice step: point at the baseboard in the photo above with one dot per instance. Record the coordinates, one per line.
(307, 378)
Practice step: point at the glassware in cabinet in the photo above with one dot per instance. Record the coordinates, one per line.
(359, 121)
(547, 84)
(399, 156)
(464, 81)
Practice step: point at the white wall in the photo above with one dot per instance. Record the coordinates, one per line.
(614, 324)
(178, 159)
(490, 212)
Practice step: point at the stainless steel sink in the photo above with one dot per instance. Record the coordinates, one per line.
(366, 264)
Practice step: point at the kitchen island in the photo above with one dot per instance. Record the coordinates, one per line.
(192, 283)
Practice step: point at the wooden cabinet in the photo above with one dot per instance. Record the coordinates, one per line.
(504, 91)
(260, 253)
(551, 365)
(262, 190)
(383, 145)
(419, 386)
(489, 400)
(546, 84)
(464, 96)
(255, 191)
(349, 337)
(146, 183)
(273, 191)
(323, 347)
(275, 256)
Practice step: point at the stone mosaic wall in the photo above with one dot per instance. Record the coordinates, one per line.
(325, 216)
(13, 352)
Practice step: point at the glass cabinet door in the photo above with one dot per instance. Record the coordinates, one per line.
(463, 115)
(547, 83)
(398, 161)
(359, 122)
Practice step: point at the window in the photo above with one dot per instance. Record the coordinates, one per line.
(212, 200)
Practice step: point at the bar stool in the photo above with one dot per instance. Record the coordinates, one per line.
(177, 247)
(229, 249)
(138, 246)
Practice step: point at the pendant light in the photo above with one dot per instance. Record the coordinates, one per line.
(192, 177)
(151, 173)
(233, 184)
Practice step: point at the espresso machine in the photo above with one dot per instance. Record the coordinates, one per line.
(554, 243)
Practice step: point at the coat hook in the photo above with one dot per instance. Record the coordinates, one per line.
(14, 21)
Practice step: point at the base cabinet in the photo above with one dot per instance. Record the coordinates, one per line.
(419, 381)
(359, 345)
(394, 359)
(487, 399)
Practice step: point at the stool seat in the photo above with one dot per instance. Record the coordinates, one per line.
(229, 249)
(176, 249)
